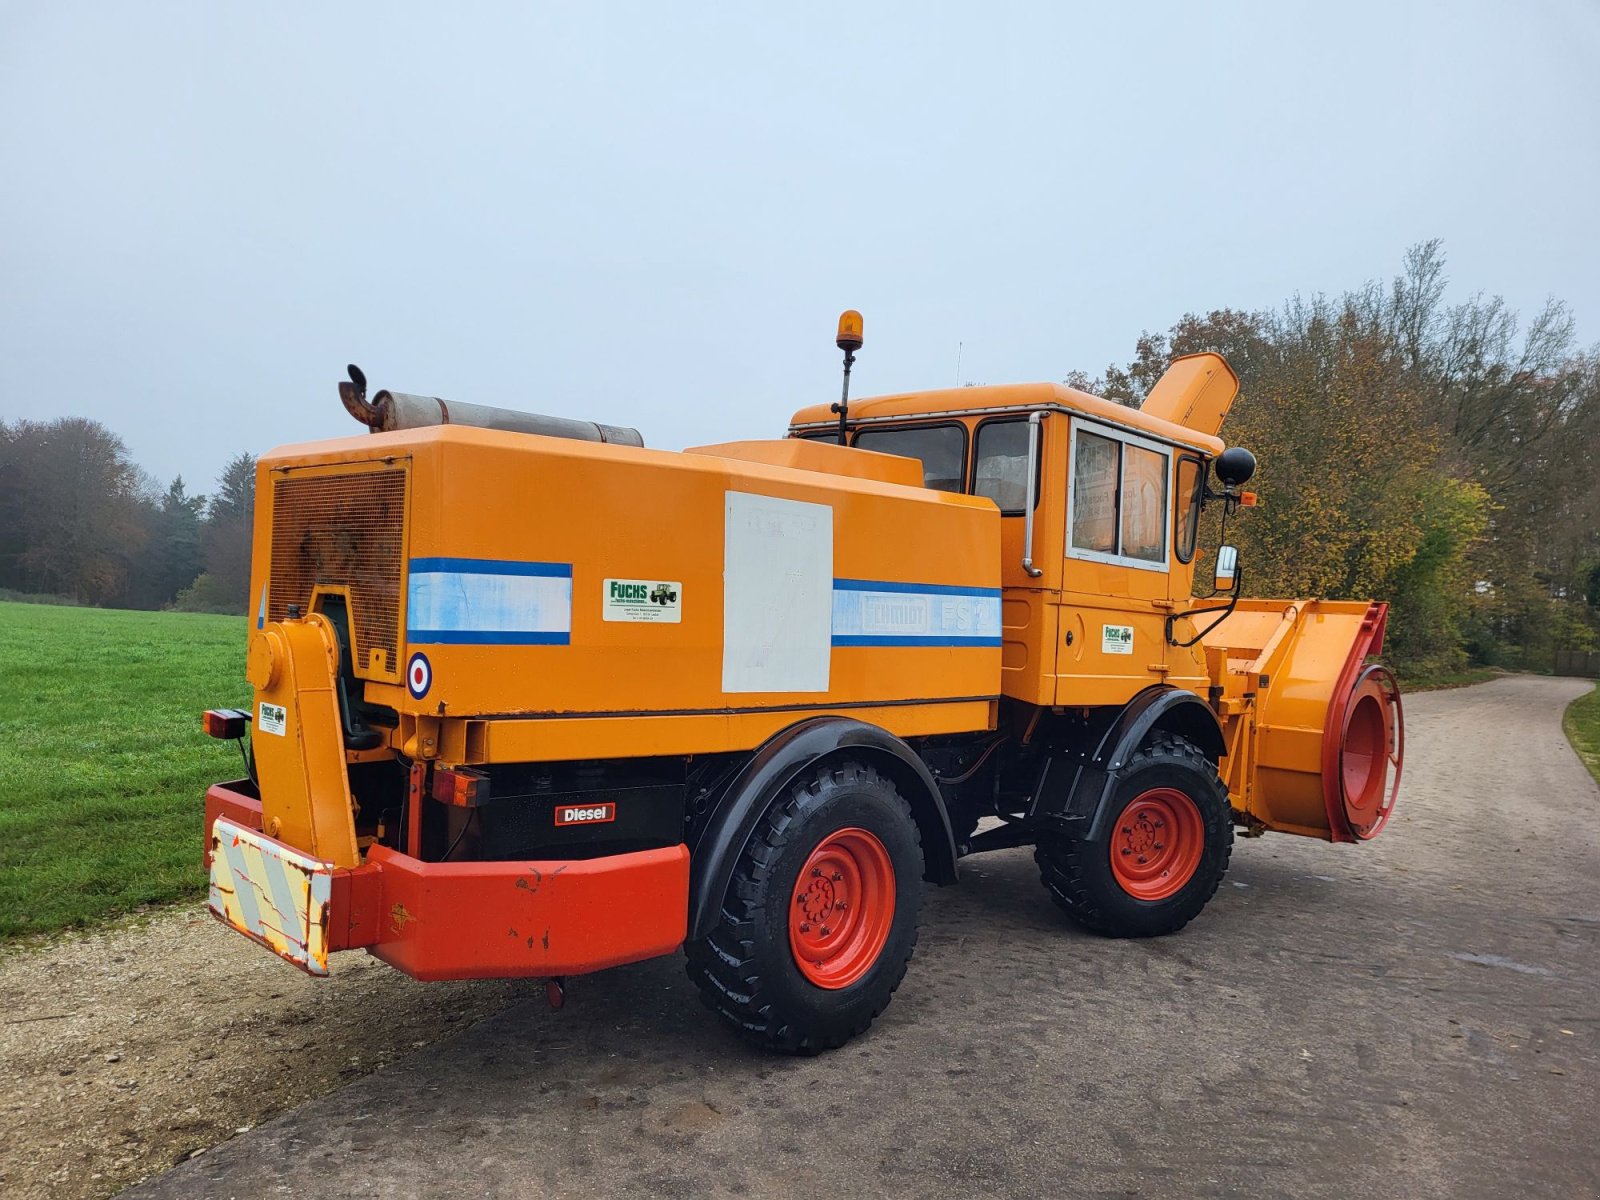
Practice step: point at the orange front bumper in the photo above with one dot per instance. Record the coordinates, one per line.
(489, 920)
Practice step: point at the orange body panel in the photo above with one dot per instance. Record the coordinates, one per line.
(607, 512)
(1196, 391)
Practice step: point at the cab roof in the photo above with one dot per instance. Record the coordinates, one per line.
(977, 401)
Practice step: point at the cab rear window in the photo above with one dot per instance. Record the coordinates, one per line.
(942, 450)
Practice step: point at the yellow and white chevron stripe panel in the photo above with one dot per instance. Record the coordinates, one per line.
(271, 893)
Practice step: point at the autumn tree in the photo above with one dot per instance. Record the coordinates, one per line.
(74, 496)
(1356, 502)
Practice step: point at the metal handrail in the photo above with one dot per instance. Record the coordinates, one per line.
(1035, 419)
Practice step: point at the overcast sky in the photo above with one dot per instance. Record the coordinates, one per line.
(651, 214)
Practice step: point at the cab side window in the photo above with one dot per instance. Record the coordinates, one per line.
(1000, 465)
(1191, 474)
(942, 450)
(1119, 500)
(1144, 504)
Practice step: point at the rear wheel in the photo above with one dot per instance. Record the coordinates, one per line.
(1169, 837)
(821, 917)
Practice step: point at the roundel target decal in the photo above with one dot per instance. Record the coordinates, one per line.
(419, 676)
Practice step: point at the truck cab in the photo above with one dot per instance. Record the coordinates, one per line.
(1099, 544)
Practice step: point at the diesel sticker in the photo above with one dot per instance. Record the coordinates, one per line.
(586, 814)
(647, 600)
(1116, 639)
(274, 719)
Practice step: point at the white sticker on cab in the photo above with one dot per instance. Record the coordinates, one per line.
(274, 719)
(1116, 639)
(649, 601)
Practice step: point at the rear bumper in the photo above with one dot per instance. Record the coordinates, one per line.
(489, 920)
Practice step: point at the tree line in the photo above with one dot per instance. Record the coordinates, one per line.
(81, 522)
(1437, 455)
(1440, 456)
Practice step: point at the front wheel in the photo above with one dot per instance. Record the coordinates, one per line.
(1169, 837)
(820, 919)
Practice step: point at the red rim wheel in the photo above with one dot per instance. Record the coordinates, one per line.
(842, 908)
(1156, 844)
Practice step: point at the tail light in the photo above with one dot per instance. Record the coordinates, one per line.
(228, 724)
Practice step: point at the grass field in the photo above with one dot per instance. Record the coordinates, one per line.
(1582, 723)
(1463, 678)
(103, 767)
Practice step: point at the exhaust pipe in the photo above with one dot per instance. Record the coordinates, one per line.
(388, 411)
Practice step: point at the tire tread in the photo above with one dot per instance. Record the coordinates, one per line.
(723, 965)
(1063, 862)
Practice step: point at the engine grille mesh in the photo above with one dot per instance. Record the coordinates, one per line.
(346, 530)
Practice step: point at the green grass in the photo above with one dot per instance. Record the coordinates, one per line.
(1582, 723)
(1450, 679)
(103, 767)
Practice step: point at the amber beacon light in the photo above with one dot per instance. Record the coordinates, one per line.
(849, 340)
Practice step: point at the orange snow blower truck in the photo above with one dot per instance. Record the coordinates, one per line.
(534, 700)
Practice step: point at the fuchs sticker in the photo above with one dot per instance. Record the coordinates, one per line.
(1116, 639)
(419, 676)
(651, 601)
(585, 814)
(274, 719)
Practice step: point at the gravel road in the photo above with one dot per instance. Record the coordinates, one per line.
(128, 1049)
(1417, 1017)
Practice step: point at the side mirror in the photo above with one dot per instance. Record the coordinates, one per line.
(1235, 466)
(1227, 568)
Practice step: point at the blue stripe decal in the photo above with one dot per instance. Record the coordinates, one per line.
(488, 602)
(872, 613)
(485, 637)
(920, 589)
(848, 639)
(491, 566)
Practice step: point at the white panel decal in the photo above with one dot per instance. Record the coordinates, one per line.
(777, 595)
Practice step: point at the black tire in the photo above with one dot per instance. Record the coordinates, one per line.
(1079, 874)
(745, 969)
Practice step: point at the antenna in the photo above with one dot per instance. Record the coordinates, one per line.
(959, 347)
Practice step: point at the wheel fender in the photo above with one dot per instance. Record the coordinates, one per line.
(774, 767)
(1160, 707)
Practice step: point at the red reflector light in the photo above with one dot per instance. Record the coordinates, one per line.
(1248, 500)
(229, 724)
(461, 787)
